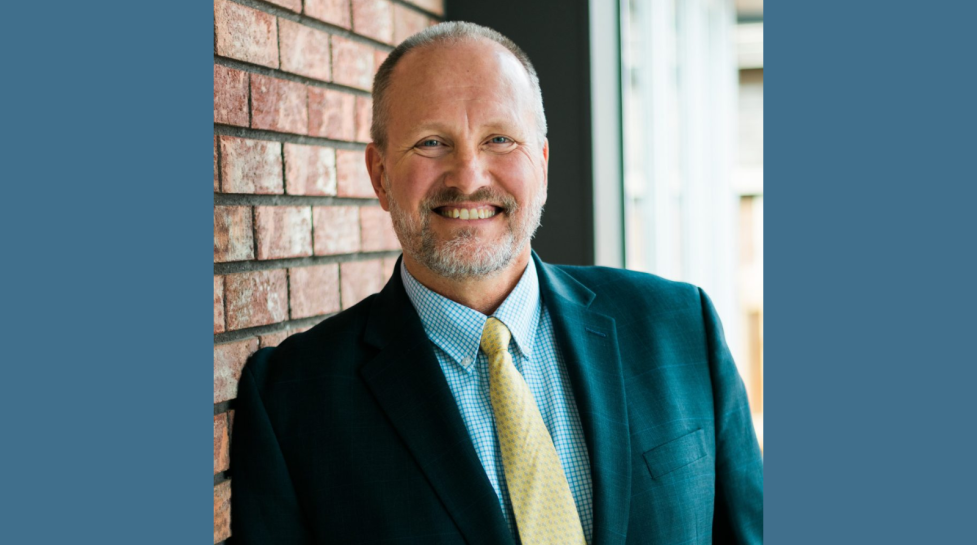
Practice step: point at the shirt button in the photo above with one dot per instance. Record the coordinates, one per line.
(466, 361)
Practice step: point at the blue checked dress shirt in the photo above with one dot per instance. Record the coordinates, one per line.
(455, 331)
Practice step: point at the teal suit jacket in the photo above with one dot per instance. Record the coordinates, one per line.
(348, 433)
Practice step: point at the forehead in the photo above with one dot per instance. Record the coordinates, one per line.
(478, 79)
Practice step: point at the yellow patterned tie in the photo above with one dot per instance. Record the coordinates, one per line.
(538, 489)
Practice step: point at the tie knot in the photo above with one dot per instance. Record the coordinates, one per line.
(495, 337)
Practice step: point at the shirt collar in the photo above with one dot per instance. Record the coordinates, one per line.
(457, 329)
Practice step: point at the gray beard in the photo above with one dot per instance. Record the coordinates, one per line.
(465, 256)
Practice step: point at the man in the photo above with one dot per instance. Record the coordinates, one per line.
(484, 396)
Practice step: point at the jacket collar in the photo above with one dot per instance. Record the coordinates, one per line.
(588, 340)
(409, 387)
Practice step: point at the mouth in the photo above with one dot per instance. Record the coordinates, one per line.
(468, 212)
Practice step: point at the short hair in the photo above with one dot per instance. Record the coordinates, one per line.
(445, 33)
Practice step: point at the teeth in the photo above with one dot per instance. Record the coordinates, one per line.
(468, 214)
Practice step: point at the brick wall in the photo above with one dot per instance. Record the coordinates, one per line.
(298, 232)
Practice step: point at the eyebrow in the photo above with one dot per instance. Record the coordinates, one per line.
(494, 125)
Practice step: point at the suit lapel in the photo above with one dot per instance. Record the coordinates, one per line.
(588, 341)
(409, 386)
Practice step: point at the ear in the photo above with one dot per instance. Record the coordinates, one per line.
(374, 165)
(546, 162)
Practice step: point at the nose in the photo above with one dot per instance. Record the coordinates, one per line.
(468, 172)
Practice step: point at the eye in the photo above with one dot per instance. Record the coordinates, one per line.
(432, 147)
(500, 140)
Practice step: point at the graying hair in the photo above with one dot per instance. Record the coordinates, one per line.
(445, 33)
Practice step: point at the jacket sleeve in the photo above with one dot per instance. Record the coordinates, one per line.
(264, 507)
(739, 466)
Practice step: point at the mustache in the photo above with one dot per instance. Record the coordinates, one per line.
(450, 195)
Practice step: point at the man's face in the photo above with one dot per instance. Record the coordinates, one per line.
(464, 172)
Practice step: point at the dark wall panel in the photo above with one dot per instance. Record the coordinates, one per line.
(555, 36)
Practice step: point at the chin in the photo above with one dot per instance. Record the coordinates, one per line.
(467, 256)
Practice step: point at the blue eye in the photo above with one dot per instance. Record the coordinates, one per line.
(430, 144)
(501, 140)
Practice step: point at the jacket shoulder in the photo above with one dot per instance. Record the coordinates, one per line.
(333, 346)
(634, 289)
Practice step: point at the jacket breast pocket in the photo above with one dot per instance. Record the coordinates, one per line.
(676, 454)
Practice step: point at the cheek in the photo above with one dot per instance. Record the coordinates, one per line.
(517, 175)
(416, 181)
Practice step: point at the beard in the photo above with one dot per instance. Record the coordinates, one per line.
(467, 254)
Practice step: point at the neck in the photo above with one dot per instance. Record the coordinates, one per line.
(484, 294)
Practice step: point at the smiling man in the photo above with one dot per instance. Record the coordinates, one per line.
(459, 158)
(485, 396)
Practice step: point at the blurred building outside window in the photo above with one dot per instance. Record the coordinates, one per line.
(692, 86)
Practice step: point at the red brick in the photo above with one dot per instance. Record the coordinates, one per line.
(352, 178)
(337, 229)
(218, 304)
(246, 34)
(310, 170)
(251, 166)
(293, 5)
(360, 279)
(305, 50)
(331, 114)
(331, 11)
(273, 339)
(233, 238)
(433, 6)
(373, 19)
(222, 511)
(352, 63)
(376, 230)
(229, 359)
(255, 298)
(389, 267)
(407, 22)
(278, 105)
(283, 231)
(313, 291)
(221, 458)
(217, 187)
(364, 118)
(230, 96)
(378, 58)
